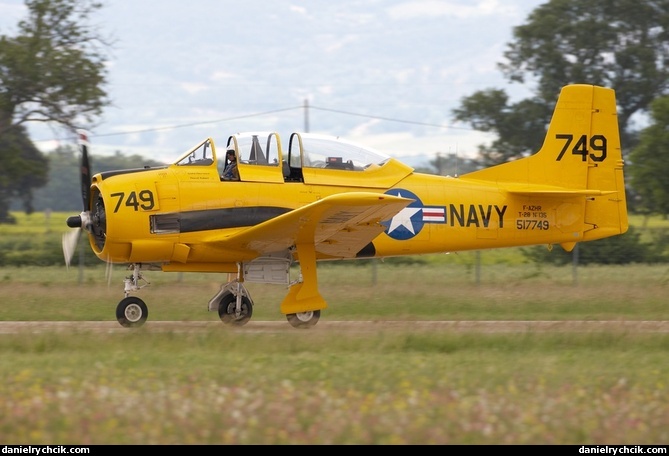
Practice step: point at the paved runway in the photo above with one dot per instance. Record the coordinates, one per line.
(16, 327)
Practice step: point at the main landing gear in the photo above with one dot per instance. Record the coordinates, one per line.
(304, 319)
(232, 302)
(235, 308)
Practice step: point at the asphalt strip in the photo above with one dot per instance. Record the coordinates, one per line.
(16, 327)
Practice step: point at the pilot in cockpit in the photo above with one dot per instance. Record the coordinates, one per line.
(230, 172)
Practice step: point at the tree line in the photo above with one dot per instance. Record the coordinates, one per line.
(53, 70)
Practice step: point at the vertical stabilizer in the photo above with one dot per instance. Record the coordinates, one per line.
(581, 155)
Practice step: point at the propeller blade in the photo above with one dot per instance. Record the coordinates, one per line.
(85, 170)
(83, 220)
(70, 241)
(108, 272)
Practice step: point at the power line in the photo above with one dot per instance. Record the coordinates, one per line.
(387, 118)
(194, 124)
(264, 113)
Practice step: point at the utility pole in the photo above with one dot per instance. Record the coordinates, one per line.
(306, 115)
(439, 164)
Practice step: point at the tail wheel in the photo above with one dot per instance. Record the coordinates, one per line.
(131, 312)
(227, 310)
(304, 319)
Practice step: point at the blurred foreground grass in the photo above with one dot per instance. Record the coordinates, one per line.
(231, 386)
(309, 387)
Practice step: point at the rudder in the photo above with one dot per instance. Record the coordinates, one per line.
(581, 155)
(582, 150)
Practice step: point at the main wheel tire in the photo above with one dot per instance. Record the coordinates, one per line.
(131, 312)
(304, 319)
(227, 307)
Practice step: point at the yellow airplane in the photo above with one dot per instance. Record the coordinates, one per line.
(323, 198)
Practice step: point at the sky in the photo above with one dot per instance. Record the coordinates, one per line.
(383, 73)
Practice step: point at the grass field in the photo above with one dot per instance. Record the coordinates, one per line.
(355, 291)
(220, 385)
(378, 384)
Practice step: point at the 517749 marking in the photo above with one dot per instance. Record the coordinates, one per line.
(526, 224)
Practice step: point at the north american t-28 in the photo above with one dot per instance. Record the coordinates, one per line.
(309, 198)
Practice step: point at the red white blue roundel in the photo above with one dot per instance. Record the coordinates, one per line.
(408, 222)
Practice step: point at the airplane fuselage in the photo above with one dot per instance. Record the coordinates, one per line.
(151, 213)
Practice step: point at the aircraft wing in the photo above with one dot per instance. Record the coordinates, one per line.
(338, 225)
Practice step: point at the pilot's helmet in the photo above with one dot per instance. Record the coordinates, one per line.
(230, 152)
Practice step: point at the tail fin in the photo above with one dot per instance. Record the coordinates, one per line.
(581, 155)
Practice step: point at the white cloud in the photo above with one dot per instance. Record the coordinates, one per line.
(11, 12)
(222, 75)
(432, 8)
(298, 9)
(192, 88)
(339, 42)
(404, 145)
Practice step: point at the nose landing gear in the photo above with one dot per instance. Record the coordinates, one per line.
(132, 312)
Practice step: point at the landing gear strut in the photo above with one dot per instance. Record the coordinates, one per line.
(233, 301)
(132, 312)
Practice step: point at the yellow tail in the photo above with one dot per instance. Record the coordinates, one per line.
(581, 155)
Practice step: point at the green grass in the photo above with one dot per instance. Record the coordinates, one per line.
(359, 292)
(642, 221)
(221, 385)
(376, 385)
(306, 387)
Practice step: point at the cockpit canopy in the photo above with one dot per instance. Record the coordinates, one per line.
(308, 150)
(309, 158)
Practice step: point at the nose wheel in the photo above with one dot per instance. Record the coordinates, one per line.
(131, 312)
